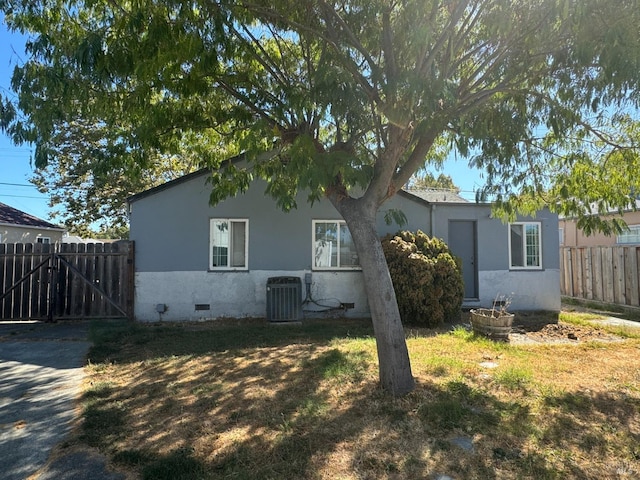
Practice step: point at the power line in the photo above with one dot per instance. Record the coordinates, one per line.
(18, 184)
(23, 196)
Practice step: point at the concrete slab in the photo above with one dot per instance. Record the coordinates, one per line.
(616, 322)
(41, 371)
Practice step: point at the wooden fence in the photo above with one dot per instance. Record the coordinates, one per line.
(605, 274)
(66, 281)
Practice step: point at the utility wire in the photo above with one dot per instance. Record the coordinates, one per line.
(18, 184)
(23, 196)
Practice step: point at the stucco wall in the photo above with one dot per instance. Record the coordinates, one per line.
(528, 289)
(240, 294)
(171, 232)
(171, 227)
(493, 234)
(14, 234)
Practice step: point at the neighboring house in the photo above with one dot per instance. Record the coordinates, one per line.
(17, 226)
(195, 261)
(77, 239)
(571, 236)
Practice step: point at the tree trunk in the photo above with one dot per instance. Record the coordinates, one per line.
(393, 356)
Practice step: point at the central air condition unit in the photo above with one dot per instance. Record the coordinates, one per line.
(284, 299)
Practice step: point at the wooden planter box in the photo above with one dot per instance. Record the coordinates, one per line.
(491, 323)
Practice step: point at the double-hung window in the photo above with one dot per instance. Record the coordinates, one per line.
(43, 240)
(228, 244)
(333, 247)
(525, 245)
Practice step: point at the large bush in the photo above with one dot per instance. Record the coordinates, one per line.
(427, 278)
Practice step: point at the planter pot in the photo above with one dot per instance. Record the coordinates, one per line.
(491, 324)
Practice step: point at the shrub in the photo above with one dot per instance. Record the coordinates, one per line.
(427, 278)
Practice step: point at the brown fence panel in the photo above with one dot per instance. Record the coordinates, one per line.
(66, 281)
(606, 274)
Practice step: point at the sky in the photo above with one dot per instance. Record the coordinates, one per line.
(15, 161)
(15, 167)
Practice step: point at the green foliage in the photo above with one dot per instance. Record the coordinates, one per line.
(342, 99)
(427, 278)
(429, 180)
(336, 90)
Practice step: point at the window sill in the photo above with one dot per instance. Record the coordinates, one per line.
(219, 270)
(336, 269)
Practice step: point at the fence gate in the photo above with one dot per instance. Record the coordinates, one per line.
(66, 281)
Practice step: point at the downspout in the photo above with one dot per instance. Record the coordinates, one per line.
(432, 219)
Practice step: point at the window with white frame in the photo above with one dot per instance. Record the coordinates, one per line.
(630, 235)
(43, 240)
(228, 244)
(525, 245)
(333, 247)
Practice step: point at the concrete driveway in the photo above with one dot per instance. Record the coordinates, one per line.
(41, 371)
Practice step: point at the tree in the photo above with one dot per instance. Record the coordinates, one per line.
(89, 188)
(429, 180)
(349, 98)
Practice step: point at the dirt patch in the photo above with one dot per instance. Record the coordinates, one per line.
(561, 332)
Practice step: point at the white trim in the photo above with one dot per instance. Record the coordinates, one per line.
(338, 223)
(524, 246)
(41, 239)
(32, 227)
(230, 252)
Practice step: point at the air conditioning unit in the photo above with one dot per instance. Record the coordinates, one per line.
(284, 299)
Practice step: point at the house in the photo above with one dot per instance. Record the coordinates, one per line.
(571, 236)
(196, 261)
(17, 226)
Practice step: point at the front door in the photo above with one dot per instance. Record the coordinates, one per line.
(463, 244)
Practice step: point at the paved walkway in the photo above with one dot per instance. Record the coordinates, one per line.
(41, 371)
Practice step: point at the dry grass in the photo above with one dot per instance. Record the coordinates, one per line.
(254, 401)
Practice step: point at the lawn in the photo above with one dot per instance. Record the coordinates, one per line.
(256, 401)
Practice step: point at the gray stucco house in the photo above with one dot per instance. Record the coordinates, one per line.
(195, 261)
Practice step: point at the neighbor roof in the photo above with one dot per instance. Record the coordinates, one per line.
(432, 195)
(13, 216)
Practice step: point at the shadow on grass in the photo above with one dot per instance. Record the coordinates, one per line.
(283, 402)
(153, 340)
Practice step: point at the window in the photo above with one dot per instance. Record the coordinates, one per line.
(333, 246)
(43, 240)
(525, 246)
(228, 244)
(561, 235)
(631, 235)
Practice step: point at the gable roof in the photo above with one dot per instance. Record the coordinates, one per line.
(182, 179)
(425, 196)
(14, 217)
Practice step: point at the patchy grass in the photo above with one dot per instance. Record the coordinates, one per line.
(249, 400)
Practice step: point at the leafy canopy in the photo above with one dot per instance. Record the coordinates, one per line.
(350, 93)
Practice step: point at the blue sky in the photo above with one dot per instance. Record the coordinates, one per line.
(15, 166)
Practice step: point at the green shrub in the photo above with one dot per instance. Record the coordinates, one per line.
(427, 278)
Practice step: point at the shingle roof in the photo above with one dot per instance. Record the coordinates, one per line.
(13, 216)
(437, 196)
